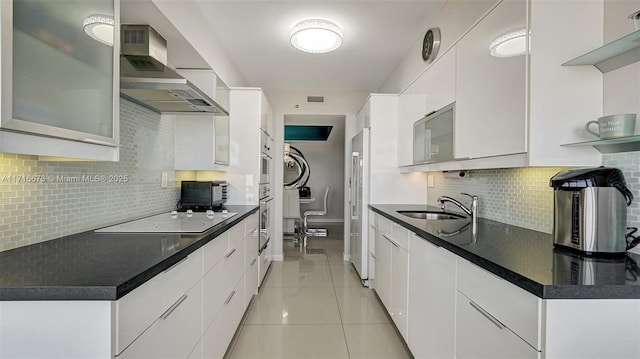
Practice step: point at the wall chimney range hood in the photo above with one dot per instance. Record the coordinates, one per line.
(146, 79)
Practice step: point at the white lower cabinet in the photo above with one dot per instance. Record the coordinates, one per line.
(251, 281)
(196, 353)
(189, 311)
(138, 310)
(175, 333)
(373, 225)
(218, 335)
(392, 271)
(480, 335)
(264, 263)
(383, 269)
(432, 298)
(399, 283)
(446, 307)
(515, 308)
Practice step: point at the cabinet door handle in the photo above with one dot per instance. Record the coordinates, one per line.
(373, 256)
(229, 297)
(486, 314)
(230, 253)
(175, 265)
(395, 244)
(175, 306)
(253, 262)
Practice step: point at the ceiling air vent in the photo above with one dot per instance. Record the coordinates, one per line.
(315, 99)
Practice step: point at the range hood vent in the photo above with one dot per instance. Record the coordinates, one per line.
(146, 79)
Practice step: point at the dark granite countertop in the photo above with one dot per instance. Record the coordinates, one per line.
(99, 266)
(526, 258)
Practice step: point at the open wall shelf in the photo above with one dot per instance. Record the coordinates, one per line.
(614, 145)
(612, 56)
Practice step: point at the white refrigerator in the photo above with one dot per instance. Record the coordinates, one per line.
(358, 202)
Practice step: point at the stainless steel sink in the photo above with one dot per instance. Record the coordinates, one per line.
(433, 215)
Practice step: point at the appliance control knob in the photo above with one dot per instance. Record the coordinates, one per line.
(189, 211)
(174, 213)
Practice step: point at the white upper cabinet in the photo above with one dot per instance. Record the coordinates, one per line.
(515, 111)
(433, 90)
(491, 91)
(564, 98)
(57, 81)
(438, 84)
(202, 141)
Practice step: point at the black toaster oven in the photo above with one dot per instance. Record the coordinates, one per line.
(200, 196)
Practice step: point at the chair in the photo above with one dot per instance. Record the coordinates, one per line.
(320, 232)
(291, 210)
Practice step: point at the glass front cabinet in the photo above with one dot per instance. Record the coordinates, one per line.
(60, 78)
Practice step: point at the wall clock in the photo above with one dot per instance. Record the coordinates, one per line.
(431, 44)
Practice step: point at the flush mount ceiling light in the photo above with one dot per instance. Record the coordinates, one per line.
(316, 36)
(99, 28)
(511, 43)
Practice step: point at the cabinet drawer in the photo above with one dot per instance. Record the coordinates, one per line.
(137, 310)
(400, 235)
(480, 336)
(214, 292)
(174, 334)
(251, 281)
(385, 226)
(235, 256)
(512, 306)
(196, 353)
(263, 264)
(251, 224)
(214, 251)
(251, 243)
(218, 335)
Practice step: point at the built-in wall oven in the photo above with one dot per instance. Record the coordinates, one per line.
(265, 158)
(265, 216)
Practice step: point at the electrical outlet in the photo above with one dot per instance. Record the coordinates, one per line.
(431, 181)
(164, 179)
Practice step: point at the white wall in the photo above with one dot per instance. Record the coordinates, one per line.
(294, 103)
(621, 86)
(326, 161)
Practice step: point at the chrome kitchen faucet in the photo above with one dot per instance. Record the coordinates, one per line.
(472, 211)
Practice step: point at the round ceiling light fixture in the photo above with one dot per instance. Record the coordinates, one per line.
(510, 44)
(316, 36)
(99, 28)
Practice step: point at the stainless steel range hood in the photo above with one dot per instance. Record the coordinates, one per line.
(146, 79)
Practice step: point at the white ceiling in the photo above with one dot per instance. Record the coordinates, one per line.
(377, 35)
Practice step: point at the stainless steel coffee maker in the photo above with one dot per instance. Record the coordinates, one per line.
(590, 210)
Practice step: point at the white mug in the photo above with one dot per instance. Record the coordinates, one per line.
(613, 126)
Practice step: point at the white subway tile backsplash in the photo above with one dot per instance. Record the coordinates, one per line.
(517, 196)
(522, 196)
(66, 203)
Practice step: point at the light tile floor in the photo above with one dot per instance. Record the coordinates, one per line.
(312, 305)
